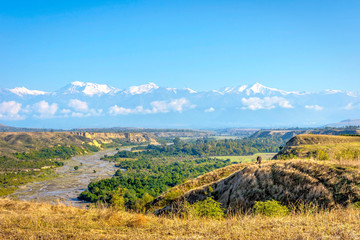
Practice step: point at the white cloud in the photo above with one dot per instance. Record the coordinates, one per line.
(314, 107)
(20, 91)
(352, 106)
(45, 109)
(81, 109)
(211, 109)
(94, 112)
(255, 103)
(176, 105)
(77, 114)
(78, 105)
(115, 110)
(65, 111)
(10, 110)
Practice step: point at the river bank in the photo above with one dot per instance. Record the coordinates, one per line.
(69, 183)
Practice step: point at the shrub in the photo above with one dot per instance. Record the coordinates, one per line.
(209, 208)
(356, 205)
(321, 155)
(270, 208)
(76, 168)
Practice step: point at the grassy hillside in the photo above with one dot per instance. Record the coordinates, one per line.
(26, 220)
(174, 193)
(322, 184)
(321, 147)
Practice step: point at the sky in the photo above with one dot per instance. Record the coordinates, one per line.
(291, 45)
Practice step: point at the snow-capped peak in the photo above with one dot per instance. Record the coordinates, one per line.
(174, 90)
(190, 90)
(90, 89)
(332, 91)
(146, 88)
(78, 83)
(21, 91)
(258, 88)
(242, 88)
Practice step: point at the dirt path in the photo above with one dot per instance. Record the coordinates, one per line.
(69, 183)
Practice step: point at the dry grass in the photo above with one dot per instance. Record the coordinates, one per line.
(24, 220)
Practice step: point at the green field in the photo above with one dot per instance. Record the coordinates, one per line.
(251, 158)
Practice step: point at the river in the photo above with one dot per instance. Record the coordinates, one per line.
(70, 182)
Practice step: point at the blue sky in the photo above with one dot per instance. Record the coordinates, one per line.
(291, 45)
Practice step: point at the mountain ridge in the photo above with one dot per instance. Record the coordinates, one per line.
(98, 105)
(92, 89)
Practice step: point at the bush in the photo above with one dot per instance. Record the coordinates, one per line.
(270, 208)
(209, 208)
(356, 205)
(321, 155)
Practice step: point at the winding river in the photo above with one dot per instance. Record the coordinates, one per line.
(70, 182)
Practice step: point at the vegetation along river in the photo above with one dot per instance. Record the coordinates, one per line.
(70, 182)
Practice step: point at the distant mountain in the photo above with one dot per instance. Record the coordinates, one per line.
(88, 89)
(3, 126)
(345, 123)
(84, 104)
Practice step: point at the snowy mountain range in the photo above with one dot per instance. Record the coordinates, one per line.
(84, 104)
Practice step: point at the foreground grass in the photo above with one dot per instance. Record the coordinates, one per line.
(25, 220)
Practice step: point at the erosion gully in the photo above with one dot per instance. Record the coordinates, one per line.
(69, 182)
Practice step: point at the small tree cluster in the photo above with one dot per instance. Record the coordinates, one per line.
(209, 208)
(270, 208)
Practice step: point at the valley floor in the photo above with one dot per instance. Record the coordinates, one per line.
(27, 220)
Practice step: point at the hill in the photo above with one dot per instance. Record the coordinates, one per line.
(286, 134)
(322, 184)
(345, 123)
(174, 193)
(321, 147)
(11, 142)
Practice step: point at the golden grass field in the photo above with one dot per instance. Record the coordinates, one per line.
(26, 220)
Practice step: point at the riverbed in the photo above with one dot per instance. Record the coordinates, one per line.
(69, 182)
